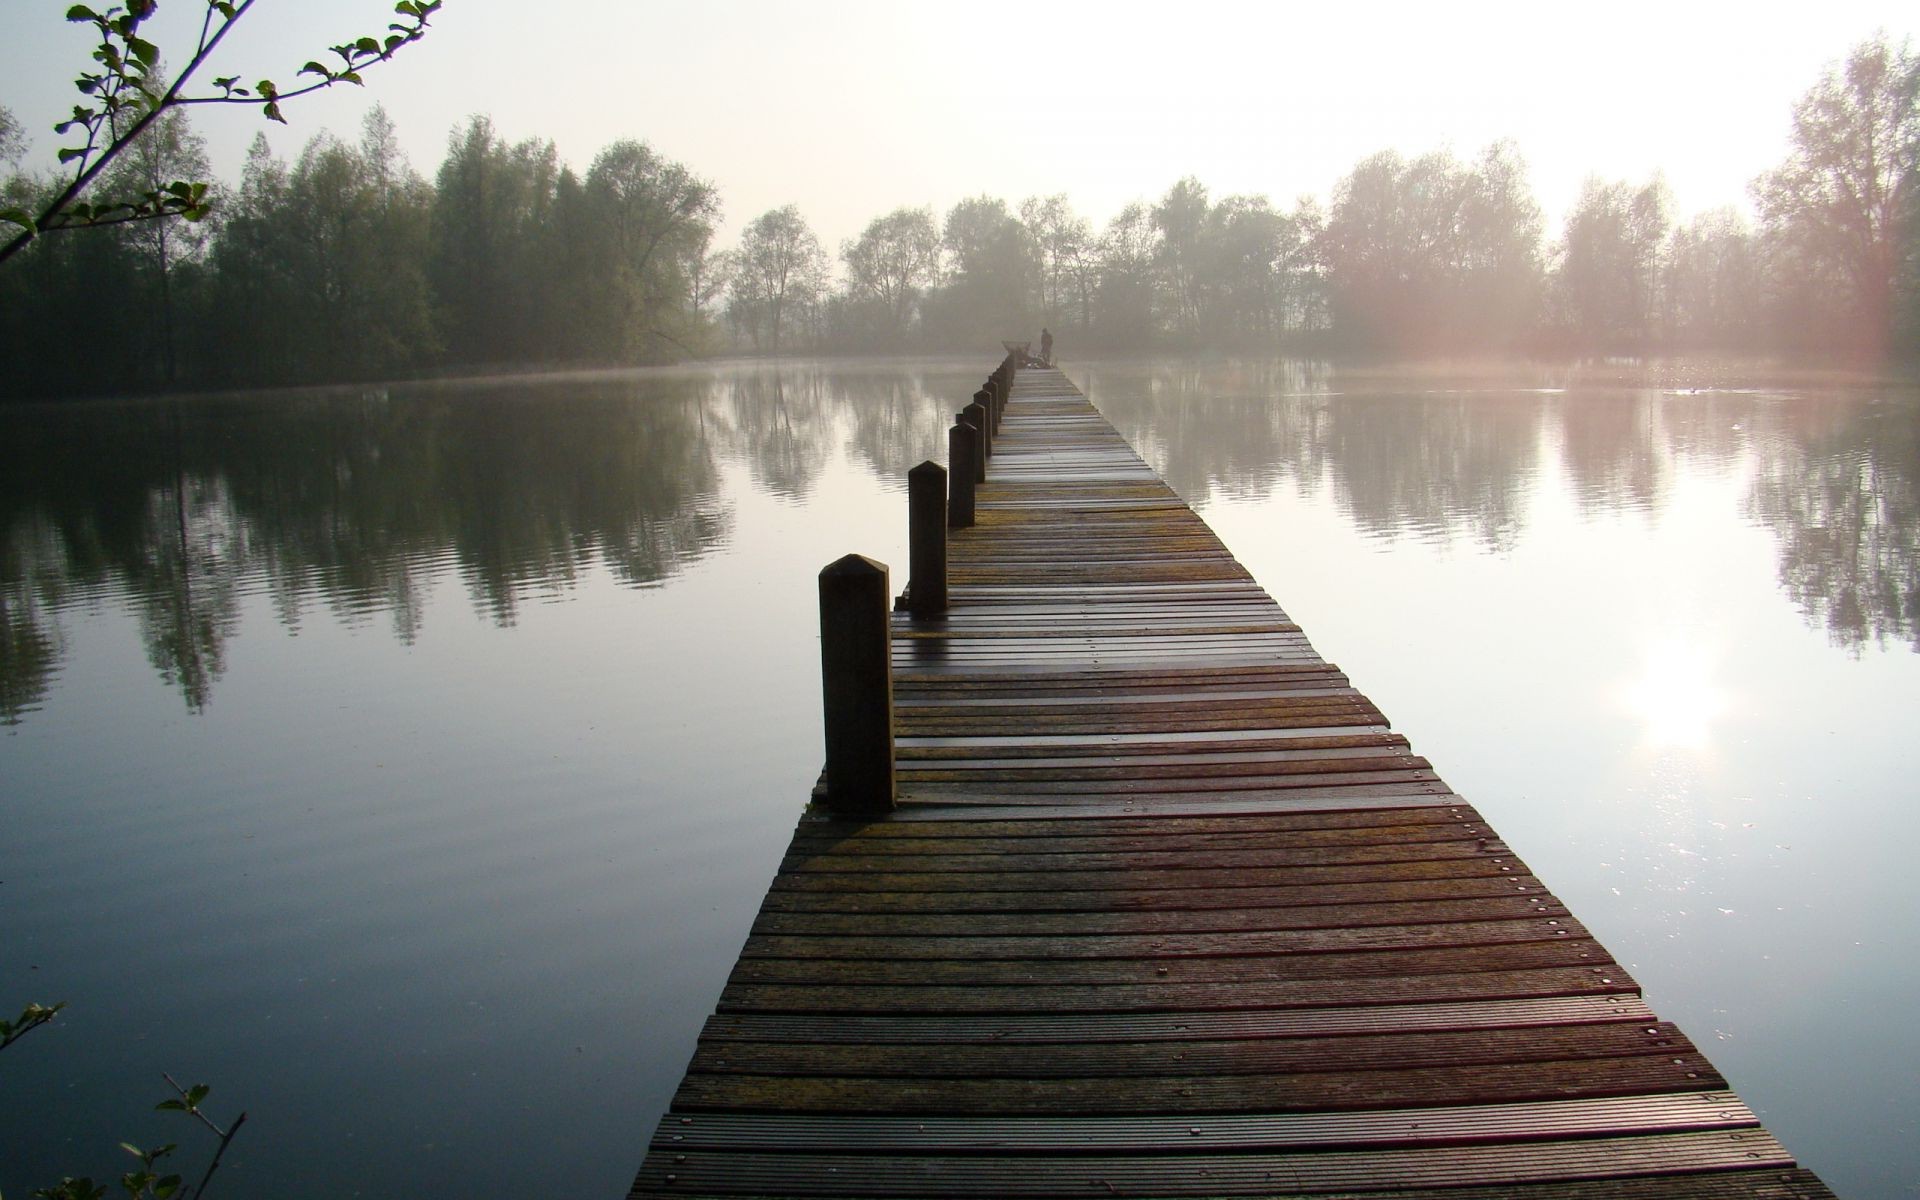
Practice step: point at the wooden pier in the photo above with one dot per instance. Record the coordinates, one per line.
(1166, 908)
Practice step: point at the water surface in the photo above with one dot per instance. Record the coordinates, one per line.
(408, 763)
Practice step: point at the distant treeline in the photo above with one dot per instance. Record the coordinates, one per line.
(347, 264)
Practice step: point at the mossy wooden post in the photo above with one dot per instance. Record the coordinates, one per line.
(927, 539)
(983, 421)
(963, 446)
(856, 678)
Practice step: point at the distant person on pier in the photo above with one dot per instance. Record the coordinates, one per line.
(1046, 347)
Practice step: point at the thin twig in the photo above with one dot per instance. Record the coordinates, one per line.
(200, 1188)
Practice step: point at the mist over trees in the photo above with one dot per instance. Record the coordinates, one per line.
(347, 263)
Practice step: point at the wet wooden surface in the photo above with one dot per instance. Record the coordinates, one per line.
(1169, 909)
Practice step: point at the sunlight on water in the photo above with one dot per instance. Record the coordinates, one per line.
(1675, 695)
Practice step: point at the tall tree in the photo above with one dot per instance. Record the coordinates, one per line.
(648, 218)
(1710, 283)
(1609, 259)
(780, 269)
(895, 258)
(1063, 241)
(492, 259)
(989, 288)
(1414, 249)
(1180, 218)
(13, 139)
(1123, 312)
(1839, 207)
(252, 317)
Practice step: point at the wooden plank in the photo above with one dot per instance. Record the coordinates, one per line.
(1225, 1175)
(1611, 1116)
(1082, 1028)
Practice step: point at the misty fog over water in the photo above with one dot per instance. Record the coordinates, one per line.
(408, 761)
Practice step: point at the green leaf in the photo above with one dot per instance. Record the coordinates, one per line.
(145, 51)
(223, 8)
(81, 12)
(69, 154)
(352, 77)
(407, 8)
(272, 112)
(196, 1094)
(166, 1186)
(368, 44)
(170, 1106)
(314, 68)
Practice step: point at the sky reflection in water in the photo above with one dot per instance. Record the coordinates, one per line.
(408, 763)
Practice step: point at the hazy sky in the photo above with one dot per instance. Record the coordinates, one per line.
(853, 109)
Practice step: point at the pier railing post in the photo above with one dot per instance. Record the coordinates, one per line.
(963, 448)
(986, 399)
(983, 421)
(856, 681)
(927, 539)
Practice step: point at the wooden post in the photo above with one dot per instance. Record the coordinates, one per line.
(927, 539)
(856, 683)
(985, 399)
(983, 421)
(963, 449)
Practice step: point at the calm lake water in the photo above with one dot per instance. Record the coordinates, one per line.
(408, 763)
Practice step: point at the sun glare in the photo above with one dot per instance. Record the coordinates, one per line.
(1675, 695)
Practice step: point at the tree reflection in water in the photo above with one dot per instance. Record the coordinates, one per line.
(357, 502)
(360, 501)
(1839, 492)
(1438, 455)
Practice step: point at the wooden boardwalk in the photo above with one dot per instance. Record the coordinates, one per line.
(1168, 909)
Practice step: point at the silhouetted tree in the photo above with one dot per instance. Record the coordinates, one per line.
(1839, 209)
(494, 261)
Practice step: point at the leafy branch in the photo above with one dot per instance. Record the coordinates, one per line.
(124, 94)
(32, 1017)
(147, 1183)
